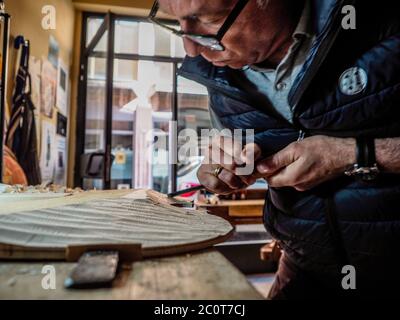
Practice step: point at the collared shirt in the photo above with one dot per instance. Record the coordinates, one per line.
(275, 84)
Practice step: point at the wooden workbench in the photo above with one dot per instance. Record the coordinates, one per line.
(201, 275)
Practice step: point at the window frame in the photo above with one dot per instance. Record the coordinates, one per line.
(87, 51)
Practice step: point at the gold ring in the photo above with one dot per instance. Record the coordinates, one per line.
(217, 171)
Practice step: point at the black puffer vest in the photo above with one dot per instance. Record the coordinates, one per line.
(363, 218)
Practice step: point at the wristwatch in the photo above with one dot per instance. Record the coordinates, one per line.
(366, 167)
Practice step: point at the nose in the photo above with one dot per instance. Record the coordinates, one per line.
(192, 49)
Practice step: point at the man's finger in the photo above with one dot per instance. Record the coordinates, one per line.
(218, 187)
(231, 180)
(210, 182)
(219, 157)
(276, 162)
(251, 153)
(230, 147)
(286, 177)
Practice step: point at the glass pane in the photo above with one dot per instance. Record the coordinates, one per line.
(162, 41)
(193, 116)
(146, 39)
(102, 45)
(125, 70)
(177, 49)
(95, 114)
(161, 103)
(125, 73)
(95, 105)
(126, 37)
(141, 105)
(93, 25)
(97, 69)
(91, 184)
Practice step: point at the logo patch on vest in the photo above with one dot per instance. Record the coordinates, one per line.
(353, 81)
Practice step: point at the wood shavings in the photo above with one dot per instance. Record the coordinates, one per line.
(39, 189)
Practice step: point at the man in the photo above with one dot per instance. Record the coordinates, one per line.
(323, 100)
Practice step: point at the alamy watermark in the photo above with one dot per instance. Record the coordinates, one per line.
(349, 21)
(349, 280)
(49, 20)
(49, 279)
(215, 146)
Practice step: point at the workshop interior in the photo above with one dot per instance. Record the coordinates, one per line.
(104, 132)
(95, 83)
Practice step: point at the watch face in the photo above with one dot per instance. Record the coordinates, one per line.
(368, 173)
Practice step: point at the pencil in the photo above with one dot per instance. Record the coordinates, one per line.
(177, 193)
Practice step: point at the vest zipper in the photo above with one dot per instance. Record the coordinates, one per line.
(302, 135)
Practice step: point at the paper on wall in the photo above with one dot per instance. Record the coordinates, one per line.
(62, 87)
(60, 161)
(48, 88)
(48, 151)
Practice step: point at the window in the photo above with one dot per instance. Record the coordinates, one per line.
(143, 97)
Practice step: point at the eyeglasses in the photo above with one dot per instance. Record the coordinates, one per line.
(212, 42)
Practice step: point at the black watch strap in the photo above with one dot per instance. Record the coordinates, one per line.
(366, 167)
(366, 152)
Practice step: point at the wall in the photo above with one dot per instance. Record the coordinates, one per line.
(26, 20)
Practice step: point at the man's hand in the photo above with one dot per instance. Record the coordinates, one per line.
(232, 157)
(305, 164)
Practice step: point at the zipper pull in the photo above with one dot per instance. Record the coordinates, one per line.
(302, 135)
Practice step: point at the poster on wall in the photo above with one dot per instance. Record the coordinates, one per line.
(62, 87)
(48, 151)
(48, 88)
(60, 161)
(61, 125)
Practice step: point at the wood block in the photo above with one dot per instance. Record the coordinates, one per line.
(271, 252)
(246, 211)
